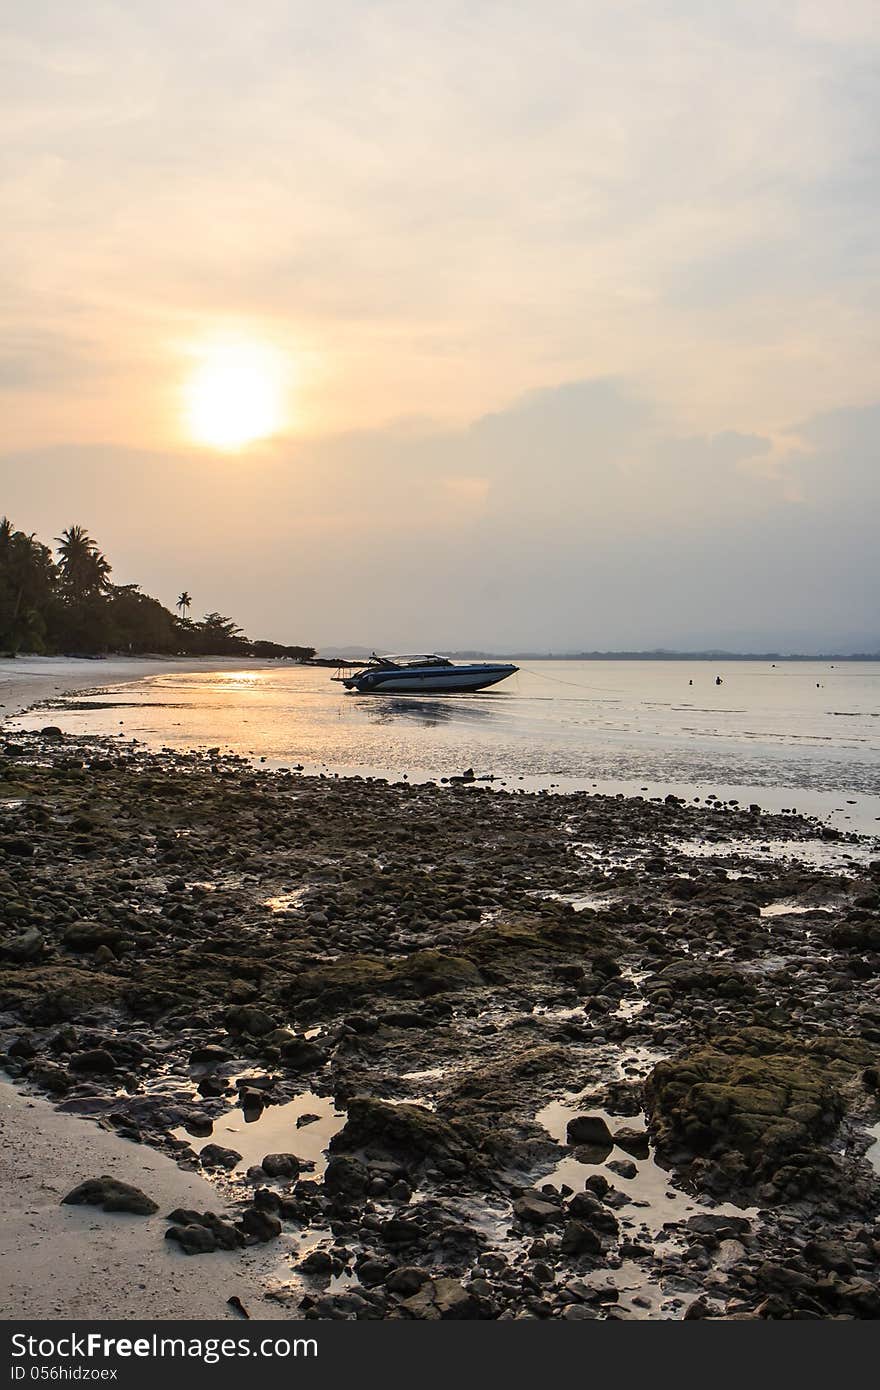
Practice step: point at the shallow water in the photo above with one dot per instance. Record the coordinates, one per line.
(654, 1200)
(635, 726)
(274, 1130)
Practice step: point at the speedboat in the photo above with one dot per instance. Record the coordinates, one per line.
(421, 675)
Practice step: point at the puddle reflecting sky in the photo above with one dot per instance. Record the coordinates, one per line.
(275, 1130)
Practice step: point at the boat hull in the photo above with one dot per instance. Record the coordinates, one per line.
(451, 680)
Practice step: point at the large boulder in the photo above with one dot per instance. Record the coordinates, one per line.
(751, 1101)
(406, 1131)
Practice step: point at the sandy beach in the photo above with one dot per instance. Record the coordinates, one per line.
(76, 1262)
(28, 680)
(442, 1052)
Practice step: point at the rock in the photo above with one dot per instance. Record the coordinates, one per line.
(411, 1131)
(224, 1235)
(261, 1225)
(424, 973)
(829, 1254)
(211, 1053)
(752, 1099)
(624, 1167)
(247, 1018)
(185, 1216)
(96, 1059)
(432, 972)
(579, 1239)
(729, 1254)
(215, 1156)
(211, 1086)
(406, 1280)
(317, 1262)
(301, 1055)
(445, 1299)
(706, 1223)
(16, 845)
(88, 936)
(26, 946)
(534, 1209)
(697, 1310)
(584, 1206)
(345, 1175)
(281, 1165)
(782, 1278)
(862, 1296)
(589, 1129)
(372, 1272)
(194, 1239)
(51, 1077)
(597, 1183)
(112, 1195)
(632, 1141)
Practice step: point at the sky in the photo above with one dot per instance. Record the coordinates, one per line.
(483, 324)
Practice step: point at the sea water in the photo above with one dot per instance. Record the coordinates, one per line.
(802, 735)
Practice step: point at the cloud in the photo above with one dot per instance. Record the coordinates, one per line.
(575, 518)
(448, 204)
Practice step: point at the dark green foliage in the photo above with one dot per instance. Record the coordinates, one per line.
(71, 607)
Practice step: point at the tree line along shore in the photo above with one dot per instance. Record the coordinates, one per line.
(63, 602)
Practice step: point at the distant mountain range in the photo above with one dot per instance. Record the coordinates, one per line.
(661, 654)
(656, 654)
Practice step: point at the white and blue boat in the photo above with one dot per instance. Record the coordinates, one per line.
(421, 675)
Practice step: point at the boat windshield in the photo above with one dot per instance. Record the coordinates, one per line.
(426, 659)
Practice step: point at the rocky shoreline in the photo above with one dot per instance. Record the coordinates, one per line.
(458, 1053)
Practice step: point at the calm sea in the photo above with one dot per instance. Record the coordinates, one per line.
(793, 734)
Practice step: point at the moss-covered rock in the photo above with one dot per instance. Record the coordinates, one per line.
(753, 1100)
(408, 1131)
(355, 977)
(432, 972)
(56, 993)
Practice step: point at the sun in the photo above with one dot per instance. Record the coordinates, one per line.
(235, 395)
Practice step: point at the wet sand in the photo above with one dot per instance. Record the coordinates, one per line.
(76, 1262)
(28, 680)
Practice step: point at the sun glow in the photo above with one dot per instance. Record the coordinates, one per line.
(236, 395)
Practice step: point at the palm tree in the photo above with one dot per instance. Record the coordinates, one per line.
(27, 579)
(184, 602)
(84, 570)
